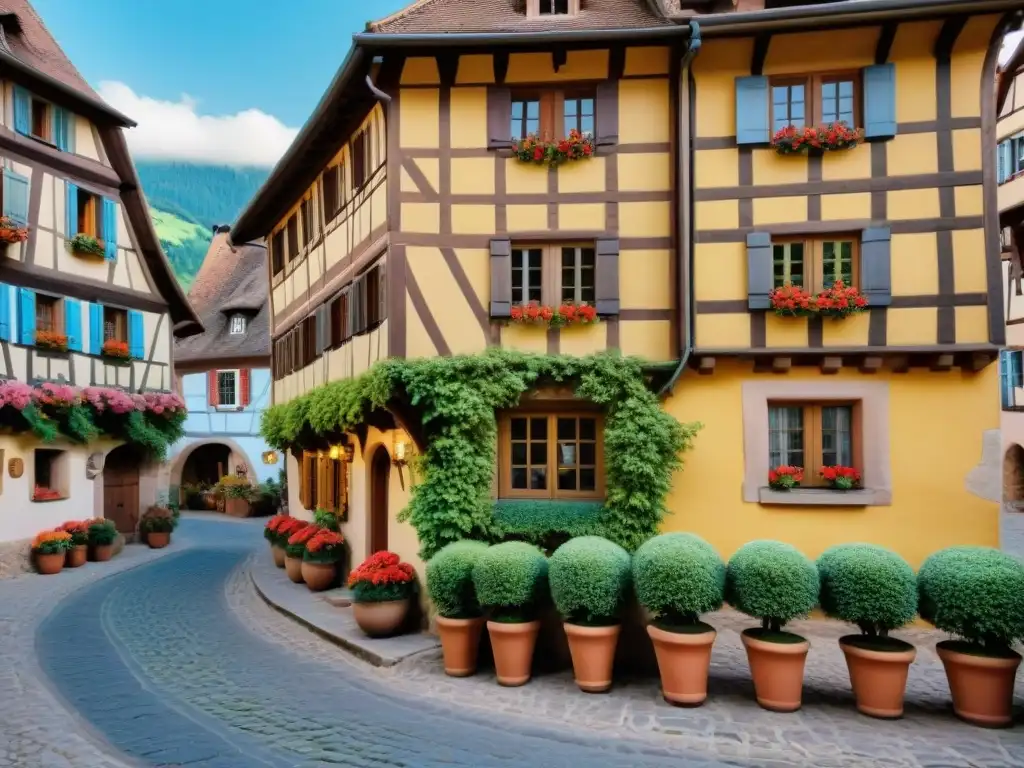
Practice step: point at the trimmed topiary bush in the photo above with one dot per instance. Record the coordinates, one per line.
(511, 580)
(772, 581)
(869, 586)
(678, 576)
(976, 594)
(450, 579)
(589, 579)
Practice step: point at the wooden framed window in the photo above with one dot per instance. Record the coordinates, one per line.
(526, 116)
(838, 99)
(551, 455)
(228, 389)
(578, 274)
(816, 265)
(789, 103)
(330, 181)
(812, 436)
(527, 275)
(551, 274)
(42, 118)
(88, 220)
(49, 314)
(277, 258)
(815, 99)
(115, 324)
(308, 223)
(308, 340)
(376, 309)
(308, 485)
(552, 114)
(292, 229)
(536, 8)
(339, 319)
(339, 488)
(579, 112)
(359, 165)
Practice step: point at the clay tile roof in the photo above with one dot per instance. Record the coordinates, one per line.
(230, 280)
(427, 16)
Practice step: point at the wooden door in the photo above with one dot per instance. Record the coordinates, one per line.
(121, 489)
(380, 476)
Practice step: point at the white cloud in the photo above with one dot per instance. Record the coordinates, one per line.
(174, 130)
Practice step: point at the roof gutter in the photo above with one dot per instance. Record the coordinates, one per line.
(90, 103)
(463, 39)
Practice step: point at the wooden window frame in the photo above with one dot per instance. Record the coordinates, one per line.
(551, 269)
(277, 254)
(292, 230)
(308, 480)
(46, 119)
(812, 426)
(222, 404)
(551, 123)
(119, 318)
(55, 305)
(308, 221)
(360, 171)
(552, 492)
(812, 95)
(331, 180)
(533, 9)
(814, 253)
(88, 221)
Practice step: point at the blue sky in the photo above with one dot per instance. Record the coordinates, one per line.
(219, 58)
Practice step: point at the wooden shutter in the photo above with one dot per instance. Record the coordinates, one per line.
(16, 197)
(880, 101)
(501, 278)
(26, 317)
(606, 277)
(607, 113)
(752, 110)
(73, 323)
(109, 229)
(759, 270)
(63, 129)
(70, 210)
(95, 329)
(875, 271)
(136, 335)
(382, 293)
(346, 314)
(1000, 164)
(319, 318)
(304, 485)
(22, 111)
(244, 386)
(212, 393)
(499, 117)
(6, 325)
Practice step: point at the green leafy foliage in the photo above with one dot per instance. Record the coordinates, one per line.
(101, 533)
(456, 399)
(589, 579)
(975, 593)
(546, 523)
(450, 579)
(677, 577)
(511, 580)
(772, 581)
(869, 586)
(324, 518)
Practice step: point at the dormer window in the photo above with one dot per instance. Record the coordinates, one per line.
(537, 8)
(237, 324)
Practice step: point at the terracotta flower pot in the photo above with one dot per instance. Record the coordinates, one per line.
(513, 646)
(278, 552)
(380, 619)
(460, 643)
(237, 507)
(878, 677)
(293, 567)
(593, 655)
(318, 576)
(778, 672)
(982, 686)
(100, 553)
(49, 564)
(158, 540)
(75, 556)
(683, 661)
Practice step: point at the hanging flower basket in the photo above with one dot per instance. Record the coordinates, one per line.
(554, 317)
(575, 146)
(86, 245)
(841, 478)
(822, 138)
(784, 477)
(116, 352)
(57, 342)
(11, 232)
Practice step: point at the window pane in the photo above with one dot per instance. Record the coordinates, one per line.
(567, 429)
(567, 479)
(588, 429)
(568, 257)
(570, 109)
(519, 478)
(588, 480)
(533, 110)
(785, 435)
(518, 429)
(538, 479)
(780, 95)
(538, 428)
(567, 454)
(519, 453)
(517, 110)
(836, 437)
(588, 454)
(538, 454)
(587, 125)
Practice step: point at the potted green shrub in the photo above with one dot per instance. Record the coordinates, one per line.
(774, 582)
(459, 617)
(382, 588)
(678, 577)
(875, 589)
(101, 539)
(589, 578)
(157, 524)
(977, 595)
(511, 580)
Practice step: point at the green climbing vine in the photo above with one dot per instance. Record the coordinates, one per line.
(457, 399)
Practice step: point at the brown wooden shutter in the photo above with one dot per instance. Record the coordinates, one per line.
(501, 278)
(760, 280)
(499, 117)
(606, 278)
(608, 113)
(212, 392)
(245, 386)
(359, 294)
(304, 483)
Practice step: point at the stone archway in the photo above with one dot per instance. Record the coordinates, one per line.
(1013, 477)
(178, 462)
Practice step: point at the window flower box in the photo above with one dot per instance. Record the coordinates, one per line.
(822, 138)
(86, 245)
(51, 340)
(785, 477)
(11, 232)
(554, 317)
(115, 352)
(46, 494)
(575, 146)
(840, 478)
(839, 301)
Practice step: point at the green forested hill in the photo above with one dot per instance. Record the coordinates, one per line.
(187, 201)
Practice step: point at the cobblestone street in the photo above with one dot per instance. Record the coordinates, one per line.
(179, 662)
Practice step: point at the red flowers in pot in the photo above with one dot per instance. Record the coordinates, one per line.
(575, 146)
(830, 136)
(838, 301)
(841, 478)
(115, 349)
(10, 232)
(567, 313)
(784, 477)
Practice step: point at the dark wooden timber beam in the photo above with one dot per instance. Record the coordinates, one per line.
(885, 39)
(942, 362)
(831, 364)
(761, 44)
(706, 366)
(871, 365)
(951, 29)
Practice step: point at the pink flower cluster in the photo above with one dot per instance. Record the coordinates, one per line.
(19, 395)
(164, 403)
(57, 395)
(15, 394)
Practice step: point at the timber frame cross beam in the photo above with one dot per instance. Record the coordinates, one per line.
(782, 361)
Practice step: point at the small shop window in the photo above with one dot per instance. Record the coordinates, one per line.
(816, 265)
(548, 455)
(812, 436)
(49, 475)
(115, 324)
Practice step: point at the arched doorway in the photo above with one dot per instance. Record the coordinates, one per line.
(1013, 476)
(206, 464)
(121, 488)
(380, 477)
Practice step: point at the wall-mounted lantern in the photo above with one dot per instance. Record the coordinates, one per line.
(270, 457)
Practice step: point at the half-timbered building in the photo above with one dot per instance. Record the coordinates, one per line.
(408, 220)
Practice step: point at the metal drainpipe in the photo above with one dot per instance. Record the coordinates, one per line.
(683, 179)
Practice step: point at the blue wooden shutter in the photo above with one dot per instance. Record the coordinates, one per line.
(6, 326)
(22, 111)
(136, 341)
(752, 110)
(16, 197)
(26, 317)
(95, 329)
(109, 229)
(73, 323)
(1000, 163)
(760, 279)
(875, 269)
(880, 101)
(63, 129)
(71, 211)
